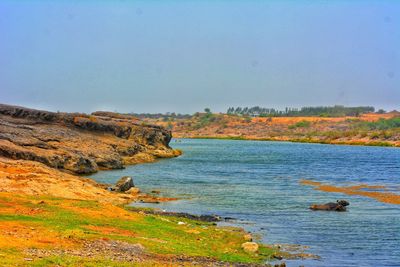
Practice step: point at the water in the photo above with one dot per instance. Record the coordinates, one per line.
(258, 183)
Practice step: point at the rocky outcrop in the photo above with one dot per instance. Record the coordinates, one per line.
(80, 143)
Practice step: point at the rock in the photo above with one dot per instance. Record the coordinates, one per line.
(248, 237)
(79, 143)
(340, 205)
(133, 191)
(203, 218)
(250, 247)
(181, 223)
(210, 218)
(124, 184)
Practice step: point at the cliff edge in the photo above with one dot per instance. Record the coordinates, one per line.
(37, 143)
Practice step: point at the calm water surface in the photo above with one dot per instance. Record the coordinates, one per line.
(258, 183)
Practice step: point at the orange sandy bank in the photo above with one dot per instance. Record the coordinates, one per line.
(386, 197)
(36, 179)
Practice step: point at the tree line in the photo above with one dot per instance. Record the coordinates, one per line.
(322, 111)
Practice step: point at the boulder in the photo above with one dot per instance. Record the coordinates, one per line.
(124, 184)
(248, 237)
(250, 247)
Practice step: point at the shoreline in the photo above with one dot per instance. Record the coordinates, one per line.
(30, 207)
(344, 143)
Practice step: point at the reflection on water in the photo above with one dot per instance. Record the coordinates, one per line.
(258, 183)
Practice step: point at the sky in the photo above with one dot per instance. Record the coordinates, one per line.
(182, 56)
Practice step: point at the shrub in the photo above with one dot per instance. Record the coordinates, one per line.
(300, 124)
(383, 124)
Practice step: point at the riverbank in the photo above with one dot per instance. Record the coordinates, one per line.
(50, 215)
(367, 129)
(46, 231)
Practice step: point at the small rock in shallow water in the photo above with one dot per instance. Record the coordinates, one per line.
(124, 184)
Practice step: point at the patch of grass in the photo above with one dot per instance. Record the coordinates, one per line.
(11, 257)
(300, 124)
(67, 260)
(378, 143)
(381, 124)
(18, 217)
(69, 220)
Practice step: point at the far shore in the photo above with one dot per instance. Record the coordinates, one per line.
(369, 129)
(350, 143)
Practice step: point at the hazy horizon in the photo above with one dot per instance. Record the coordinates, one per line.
(173, 56)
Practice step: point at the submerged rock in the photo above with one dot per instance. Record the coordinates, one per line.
(340, 205)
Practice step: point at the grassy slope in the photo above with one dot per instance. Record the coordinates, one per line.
(51, 223)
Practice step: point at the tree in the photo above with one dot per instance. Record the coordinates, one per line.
(207, 110)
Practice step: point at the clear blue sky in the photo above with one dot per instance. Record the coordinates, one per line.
(182, 56)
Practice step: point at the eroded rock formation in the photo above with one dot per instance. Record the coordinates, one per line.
(80, 143)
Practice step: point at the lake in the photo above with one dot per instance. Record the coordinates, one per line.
(257, 183)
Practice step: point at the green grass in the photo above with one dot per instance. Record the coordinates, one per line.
(300, 124)
(67, 260)
(158, 234)
(381, 124)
